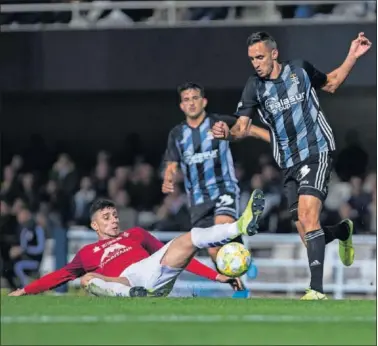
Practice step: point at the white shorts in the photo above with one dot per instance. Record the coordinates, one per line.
(150, 274)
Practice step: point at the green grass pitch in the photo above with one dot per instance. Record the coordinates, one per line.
(67, 320)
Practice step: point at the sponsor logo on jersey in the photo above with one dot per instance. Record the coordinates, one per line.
(113, 251)
(190, 158)
(274, 105)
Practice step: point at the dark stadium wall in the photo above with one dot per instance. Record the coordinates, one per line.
(84, 122)
(159, 59)
(87, 90)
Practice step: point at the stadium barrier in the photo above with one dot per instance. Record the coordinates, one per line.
(167, 13)
(281, 261)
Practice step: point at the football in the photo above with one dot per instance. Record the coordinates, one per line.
(233, 259)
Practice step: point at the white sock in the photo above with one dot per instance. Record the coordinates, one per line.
(213, 236)
(102, 288)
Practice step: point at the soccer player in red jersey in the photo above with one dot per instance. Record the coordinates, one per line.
(134, 263)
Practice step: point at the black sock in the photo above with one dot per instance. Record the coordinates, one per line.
(315, 252)
(339, 231)
(329, 236)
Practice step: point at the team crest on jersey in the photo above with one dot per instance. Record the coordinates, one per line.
(294, 79)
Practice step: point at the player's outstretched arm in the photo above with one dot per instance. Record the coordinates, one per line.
(358, 48)
(47, 282)
(259, 132)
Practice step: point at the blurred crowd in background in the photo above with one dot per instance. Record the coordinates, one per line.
(347, 10)
(39, 195)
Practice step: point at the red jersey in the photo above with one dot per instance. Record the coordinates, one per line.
(110, 257)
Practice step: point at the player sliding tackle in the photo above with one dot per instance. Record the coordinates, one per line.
(135, 264)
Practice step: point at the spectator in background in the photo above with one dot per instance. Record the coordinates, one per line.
(17, 164)
(145, 189)
(122, 175)
(356, 208)
(101, 177)
(103, 157)
(113, 188)
(27, 255)
(9, 186)
(173, 214)
(145, 193)
(8, 239)
(353, 159)
(371, 187)
(56, 203)
(29, 192)
(263, 160)
(82, 202)
(65, 174)
(241, 177)
(128, 216)
(18, 205)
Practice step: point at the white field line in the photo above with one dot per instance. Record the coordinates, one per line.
(43, 319)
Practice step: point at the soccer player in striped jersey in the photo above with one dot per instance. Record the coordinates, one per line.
(206, 162)
(284, 96)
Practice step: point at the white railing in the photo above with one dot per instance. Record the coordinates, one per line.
(168, 13)
(284, 270)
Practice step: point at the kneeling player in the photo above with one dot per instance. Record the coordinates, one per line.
(134, 263)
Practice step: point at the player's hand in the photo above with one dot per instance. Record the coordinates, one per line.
(17, 293)
(360, 45)
(220, 130)
(168, 186)
(15, 251)
(235, 283)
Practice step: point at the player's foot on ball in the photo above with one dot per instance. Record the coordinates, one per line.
(248, 222)
(346, 249)
(138, 291)
(314, 295)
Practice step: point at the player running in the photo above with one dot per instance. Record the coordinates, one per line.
(206, 162)
(135, 264)
(283, 94)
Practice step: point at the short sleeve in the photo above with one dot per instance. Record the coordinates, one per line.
(248, 100)
(172, 153)
(317, 78)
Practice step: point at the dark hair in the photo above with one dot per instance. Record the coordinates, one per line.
(100, 204)
(191, 85)
(262, 36)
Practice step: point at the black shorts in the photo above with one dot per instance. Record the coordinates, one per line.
(310, 177)
(203, 215)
